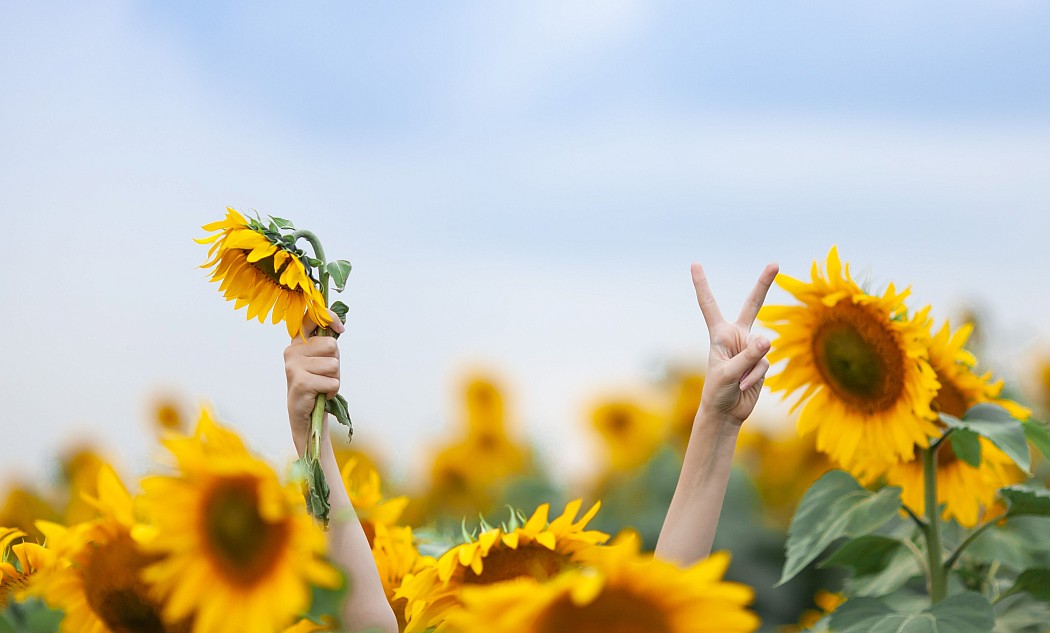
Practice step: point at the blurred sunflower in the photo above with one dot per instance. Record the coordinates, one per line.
(630, 433)
(19, 563)
(861, 362)
(365, 491)
(396, 557)
(80, 471)
(784, 467)
(826, 603)
(237, 545)
(537, 549)
(688, 388)
(258, 270)
(96, 576)
(23, 506)
(624, 592)
(963, 489)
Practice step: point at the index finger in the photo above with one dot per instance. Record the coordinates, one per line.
(754, 301)
(706, 298)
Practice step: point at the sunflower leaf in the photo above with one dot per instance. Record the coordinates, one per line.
(1034, 582)
(315, 488)
(999, 427)
(340, 309)
(339, 270)
(1026, 499)
(337, 406)
(833, 507)
(1038, 433)
(962, 613)
(281, 222)
(966, 446)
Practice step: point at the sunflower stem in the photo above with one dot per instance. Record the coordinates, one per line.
(934, 553)
(313, 449)
(970, 539)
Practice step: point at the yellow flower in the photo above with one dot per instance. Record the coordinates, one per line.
(861, 363)
(784, 468)
(364, 489)
(96, 576)
(826, 602)
(537, 549)
(396, 557)
(964, 490)
(623, 592)
(23, 507)
(687, 391)
(19, 563)
(80, 470)
(167, 415)
(262, 274)
(630, 433)
(237, 545)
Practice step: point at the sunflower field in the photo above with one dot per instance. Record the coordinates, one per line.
(903, 488)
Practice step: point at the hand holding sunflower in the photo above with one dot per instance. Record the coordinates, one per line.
(311, 365)
(736, 363)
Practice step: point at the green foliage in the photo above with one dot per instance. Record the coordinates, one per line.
(966, 446)
(880, 564)
(1026, 499)
(1038, 434)
(328, 603)
(340, 309)
(833, 507)
(999, 427)
(339, 271)
(962, 613)
(339, 409)
(30, 616)
(315, 488)
(1034, 582)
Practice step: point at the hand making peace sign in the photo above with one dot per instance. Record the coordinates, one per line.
(737, 365)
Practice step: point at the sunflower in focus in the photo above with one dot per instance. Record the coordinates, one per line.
(630, 433)
(861, 362)
(963, 489)
(96, 573)
(622, 592)
(537, 549)
(19, 562)
(258, 270)
(235, 544)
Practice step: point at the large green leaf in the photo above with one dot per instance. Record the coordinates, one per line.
(339, 409)
(962, 613)
(339, 270)
(966, 446)
(1026, 499)
(1038, 434)
(998, 426)
(1018, 545)
(1035, 582)
(833, 507)
(880, 565)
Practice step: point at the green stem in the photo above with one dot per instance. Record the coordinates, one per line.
(969, 539)
(938, 577)
(313, 448)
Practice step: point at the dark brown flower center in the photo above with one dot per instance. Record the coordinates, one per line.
(614, 611)
(244, 545)
(503, 563)
(859, 358)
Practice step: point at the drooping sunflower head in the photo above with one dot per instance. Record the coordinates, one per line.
(259, 269)
(96, 575)
(966, 491)
(861, 362)
(234, 543)
(537, 549)
(622, 591)
(629, 432)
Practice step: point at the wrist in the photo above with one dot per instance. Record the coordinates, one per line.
(722, 423)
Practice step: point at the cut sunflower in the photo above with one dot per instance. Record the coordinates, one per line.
(96, 575)
(622, 592)
(861, 362)
(235, 544)
(259, 270)
(966, 491)
(537, 549)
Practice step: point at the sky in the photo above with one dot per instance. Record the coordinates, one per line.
(520, 187)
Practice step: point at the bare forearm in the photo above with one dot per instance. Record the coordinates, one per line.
(692, 518)
(366, 607)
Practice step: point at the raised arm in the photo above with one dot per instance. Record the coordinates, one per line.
(312, 367)
(736, 369)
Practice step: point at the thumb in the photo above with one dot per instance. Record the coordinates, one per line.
(747, 359)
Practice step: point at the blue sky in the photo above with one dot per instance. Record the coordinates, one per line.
(520, 186)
